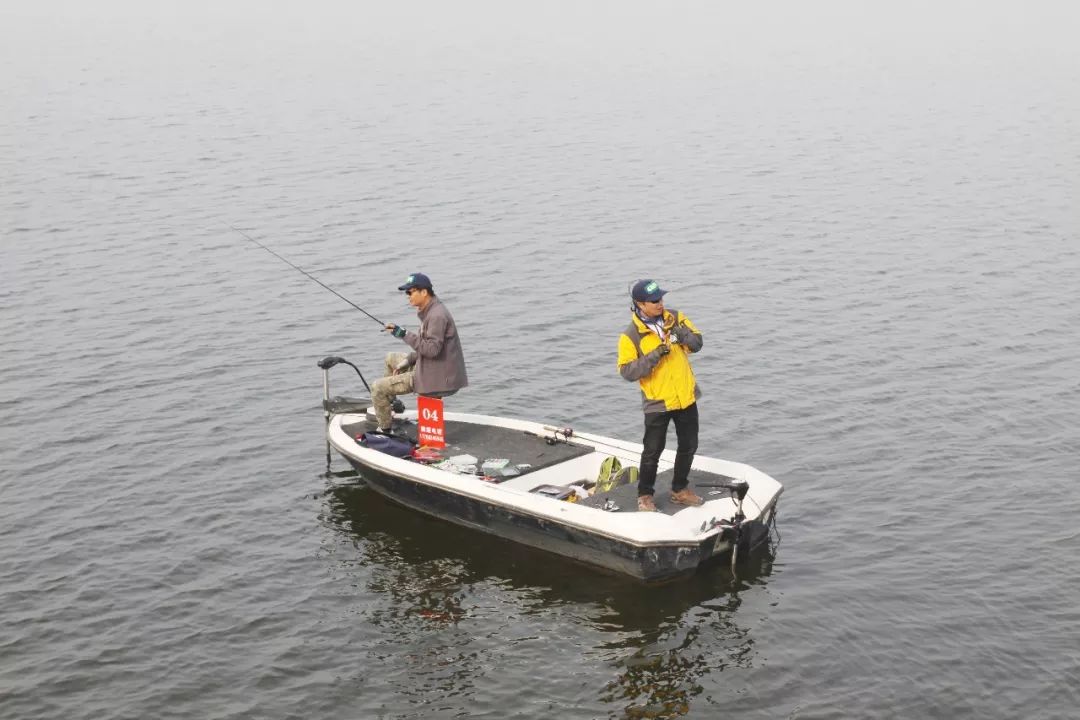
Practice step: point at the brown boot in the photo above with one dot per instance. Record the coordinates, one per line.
(645, 503)
(686, 496)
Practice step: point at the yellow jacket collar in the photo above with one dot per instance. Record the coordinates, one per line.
(669, 322)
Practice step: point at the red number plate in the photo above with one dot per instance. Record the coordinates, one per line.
(431, 429)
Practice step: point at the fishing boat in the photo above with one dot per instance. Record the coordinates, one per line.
(550, 487)
(536, 484)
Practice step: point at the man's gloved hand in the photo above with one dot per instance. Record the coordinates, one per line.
(662, 350)
(395, 330)
(679, 334)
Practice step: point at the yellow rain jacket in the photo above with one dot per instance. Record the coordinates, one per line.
(667, 381)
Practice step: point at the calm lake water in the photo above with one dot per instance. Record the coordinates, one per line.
(870, 211)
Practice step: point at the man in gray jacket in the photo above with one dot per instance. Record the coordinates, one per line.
(436, 365)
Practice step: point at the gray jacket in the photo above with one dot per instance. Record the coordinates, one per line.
(440, 364)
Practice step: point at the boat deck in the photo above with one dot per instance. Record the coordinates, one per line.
(625, 496)
(486, 442)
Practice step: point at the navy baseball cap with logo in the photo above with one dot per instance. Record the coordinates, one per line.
(417, 280)
(647, 291)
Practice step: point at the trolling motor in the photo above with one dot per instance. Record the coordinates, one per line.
(737, 490)
(341, 404)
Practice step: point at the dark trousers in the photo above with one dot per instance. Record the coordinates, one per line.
(656, 426)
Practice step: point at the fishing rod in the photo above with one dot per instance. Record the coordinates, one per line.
(310, 276)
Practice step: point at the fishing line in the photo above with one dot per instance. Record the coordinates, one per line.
(305, 272)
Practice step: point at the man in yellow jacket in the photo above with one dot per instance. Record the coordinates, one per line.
(655, 351)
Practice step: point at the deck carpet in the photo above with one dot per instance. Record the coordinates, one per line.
(625, 496)
(486, 442)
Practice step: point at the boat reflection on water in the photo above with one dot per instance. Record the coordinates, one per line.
(656, 643)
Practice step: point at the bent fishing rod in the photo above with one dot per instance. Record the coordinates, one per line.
(305, 272)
